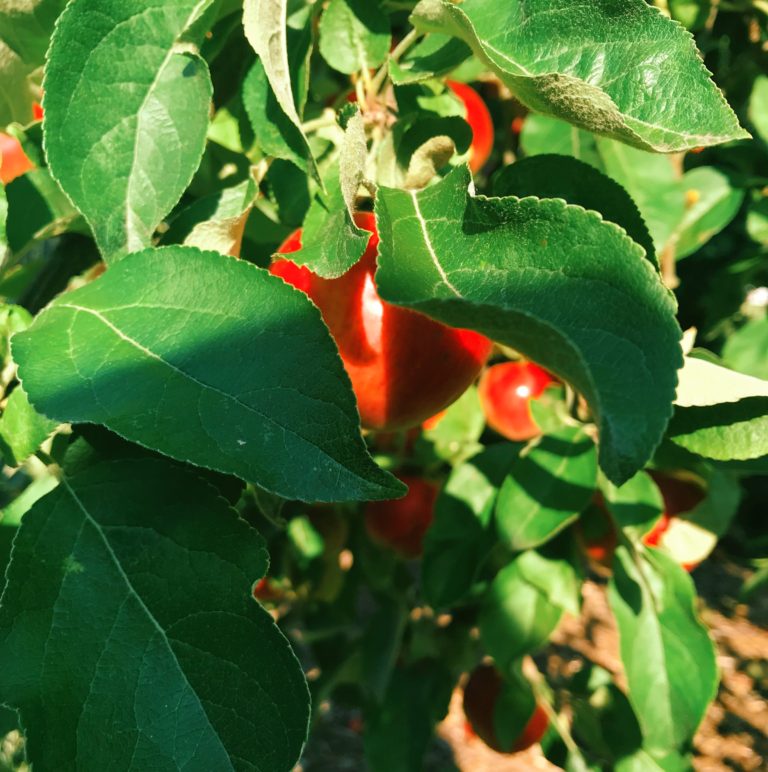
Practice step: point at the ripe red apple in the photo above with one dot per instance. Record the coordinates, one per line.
(13, 160)
(404, 367)
(506, 391)
(680, 496)
(402, 523)
(481, 694)
(479, 119)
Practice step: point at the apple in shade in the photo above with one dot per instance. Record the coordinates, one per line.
(481, 695)
(506, 391)
(402, 523)
(680, 496)
(13, 160)
(596, 534)
(404, 367)
(479, 119)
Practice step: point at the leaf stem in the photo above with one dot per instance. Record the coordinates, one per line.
(397, 52)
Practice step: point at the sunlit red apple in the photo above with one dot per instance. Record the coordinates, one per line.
(481, 694)
(480, 121)
(506, 391)
(404, 367)
(401, 523)
(13, 160)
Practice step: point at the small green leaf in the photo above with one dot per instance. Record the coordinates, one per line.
(504, 266)
(516, 618)
(456, 435)
(353, 155)
(125, 150)
(16, 94)
(207, 365)
(460, 536)
(354, 35)
(758, 106)
(757, 220)
(276, 86)
(134, 578)
(542, 134)
(554, 576)
(38, 210)
(330, 241)
(747, 349)
(26, 26)
(667, 654)
(22, 429)
(557, 176)
(546, 489)
(434, 56)
(715, 202)
(623, 71)
(636, 505)
(720, 414)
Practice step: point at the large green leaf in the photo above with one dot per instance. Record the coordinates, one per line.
(668, 657)
(618, 67)
(559, 176)
(546, 488)
(124, 149)
(557, 283)
(134, 638)
(354, 35)
(277, 84)
(207, 363)
(719, 413)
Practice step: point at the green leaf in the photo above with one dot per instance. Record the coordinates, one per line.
(26, 26)
(624, 71)
(758, 106)
(457, 433)
(38, 210)
(757, 220)
(747, 349)
(330, 241)
(125, 150)
(276, 85)
(434, 56)
(692, 14)
(652, 183)
(546, 488)
(516, 618)
(503, 267)
(715, 203)
(554, 576)
(22, 429)
(135, 640)
(667, 654)
(636, 505)
(557, 176)
(720, 414)
(542, 134)
(460, 536)
(16, 94)
(354, 35)
(353, 154)
(207, 364)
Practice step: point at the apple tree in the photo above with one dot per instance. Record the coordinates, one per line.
(343, 346)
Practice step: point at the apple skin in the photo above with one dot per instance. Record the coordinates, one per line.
(404, 367)
(506, 391)
(402, 523)
(13, 160)
(479, 119)
(480, 697)
(680, 496)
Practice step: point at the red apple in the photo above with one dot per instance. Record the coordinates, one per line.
(481, 694)
(37, 111)
(404, 367)
(680, 496)
(479, 119)
(402, 523)
(13, 160)
(506, 391)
